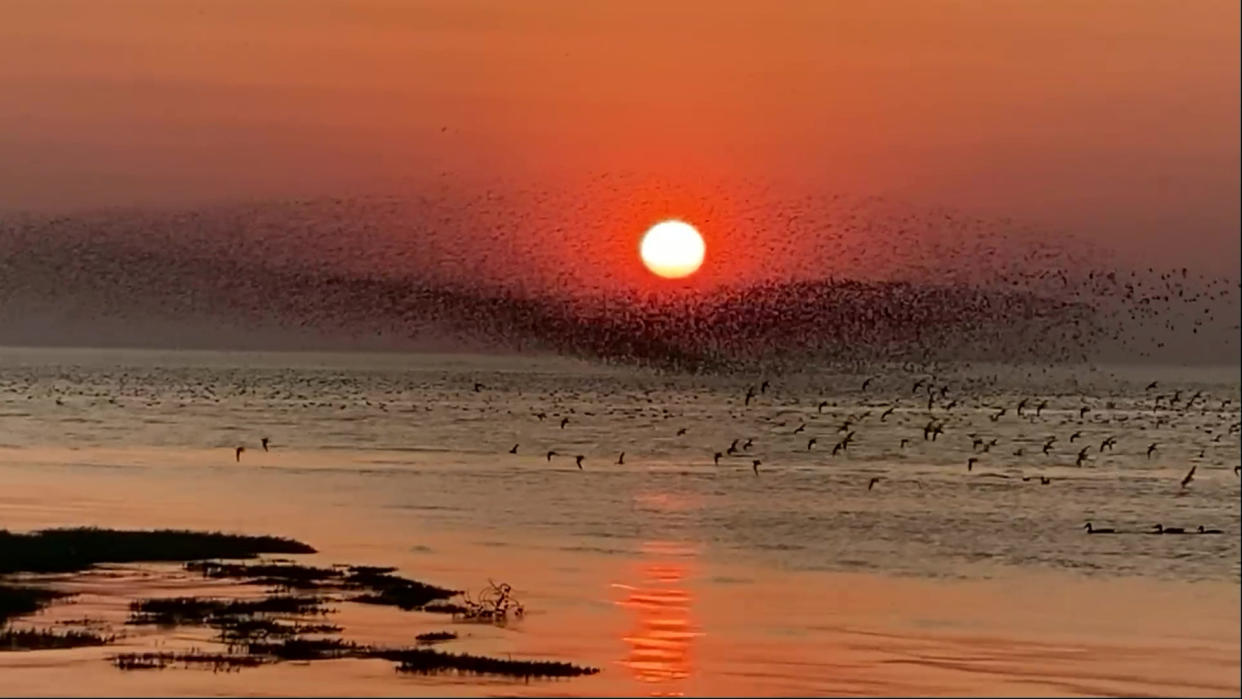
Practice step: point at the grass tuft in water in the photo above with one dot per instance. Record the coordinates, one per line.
(31, 639)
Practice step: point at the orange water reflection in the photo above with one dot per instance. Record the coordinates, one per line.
(663, 633)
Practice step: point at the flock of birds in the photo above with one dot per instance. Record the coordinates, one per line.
(936, 411)
(831, 278)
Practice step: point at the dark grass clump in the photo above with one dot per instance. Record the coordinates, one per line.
(174, 611)
(308, 649)
(378, 584)
(68, 550)
(217, 662)
(435, 637)
(428, 662)
(31, 639)
(283, 575)
(245, 629)
(445, 608)
(18, 600)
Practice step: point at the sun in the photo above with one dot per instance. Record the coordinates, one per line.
(672, 249)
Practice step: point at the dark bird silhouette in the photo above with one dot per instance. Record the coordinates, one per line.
(872, 482)
(1151, 386)
(1044, 480)
(621, 459)
(514, 449)
(564, 421)
(541, 416)
(1040, 408)
(681, 432)
(866, 383)
(754, 465)
(578, 460)
(1237, 470)
(1208, 531)
(1161, 529)
(1083, 411)
(1092, 530)
(800, 428)
(750, 393)
(884, 415)
(478, 387)
(1190, 476)
(1074, 436)
(264, 442)
(810, 444)
(748, 444)
(1151, 449)
(970, 463)
(1082, 456)
(763, 387)
(904, 442)
(551, 454)
(238, 452)
(716, 457)
(822, 404)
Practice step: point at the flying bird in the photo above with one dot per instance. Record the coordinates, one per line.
(514, 449)
(621, 459)
(1190, 476)
(238, 452)
(578, 460)
(264, 442)
(872, 482)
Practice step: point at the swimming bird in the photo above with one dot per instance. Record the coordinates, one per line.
(872, 482)
(1161, 529)
(578, 460)
(564, 421)
(621, 459)
(810, 444)
(1022, 405)
(754, 465)
(238, 452)
(1190, 475)
(1044, 480)
(1092, 530)
(264, 442)
(551, 454)
(998, 414)
(541, 416)
(514, 449)
(1083, 411)
(1208, 531)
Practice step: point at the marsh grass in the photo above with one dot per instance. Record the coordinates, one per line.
(32, 639)
(69, 550)
(17, 600)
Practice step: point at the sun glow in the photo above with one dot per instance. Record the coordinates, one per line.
(672, 249)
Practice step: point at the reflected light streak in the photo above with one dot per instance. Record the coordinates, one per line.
(661, 639)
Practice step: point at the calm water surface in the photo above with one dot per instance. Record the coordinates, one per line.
(670, 572)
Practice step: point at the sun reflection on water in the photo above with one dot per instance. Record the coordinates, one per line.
(660, 641)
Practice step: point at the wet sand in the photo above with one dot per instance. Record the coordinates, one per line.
(659, 618)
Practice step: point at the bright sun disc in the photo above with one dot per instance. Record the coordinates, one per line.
(672, 249)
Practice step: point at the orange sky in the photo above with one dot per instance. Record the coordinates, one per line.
(1115, 120)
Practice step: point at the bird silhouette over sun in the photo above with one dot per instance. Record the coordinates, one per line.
(672, 249)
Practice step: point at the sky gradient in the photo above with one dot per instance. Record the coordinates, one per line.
(1116, 121)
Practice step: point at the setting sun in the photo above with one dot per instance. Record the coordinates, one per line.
(672, 249)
